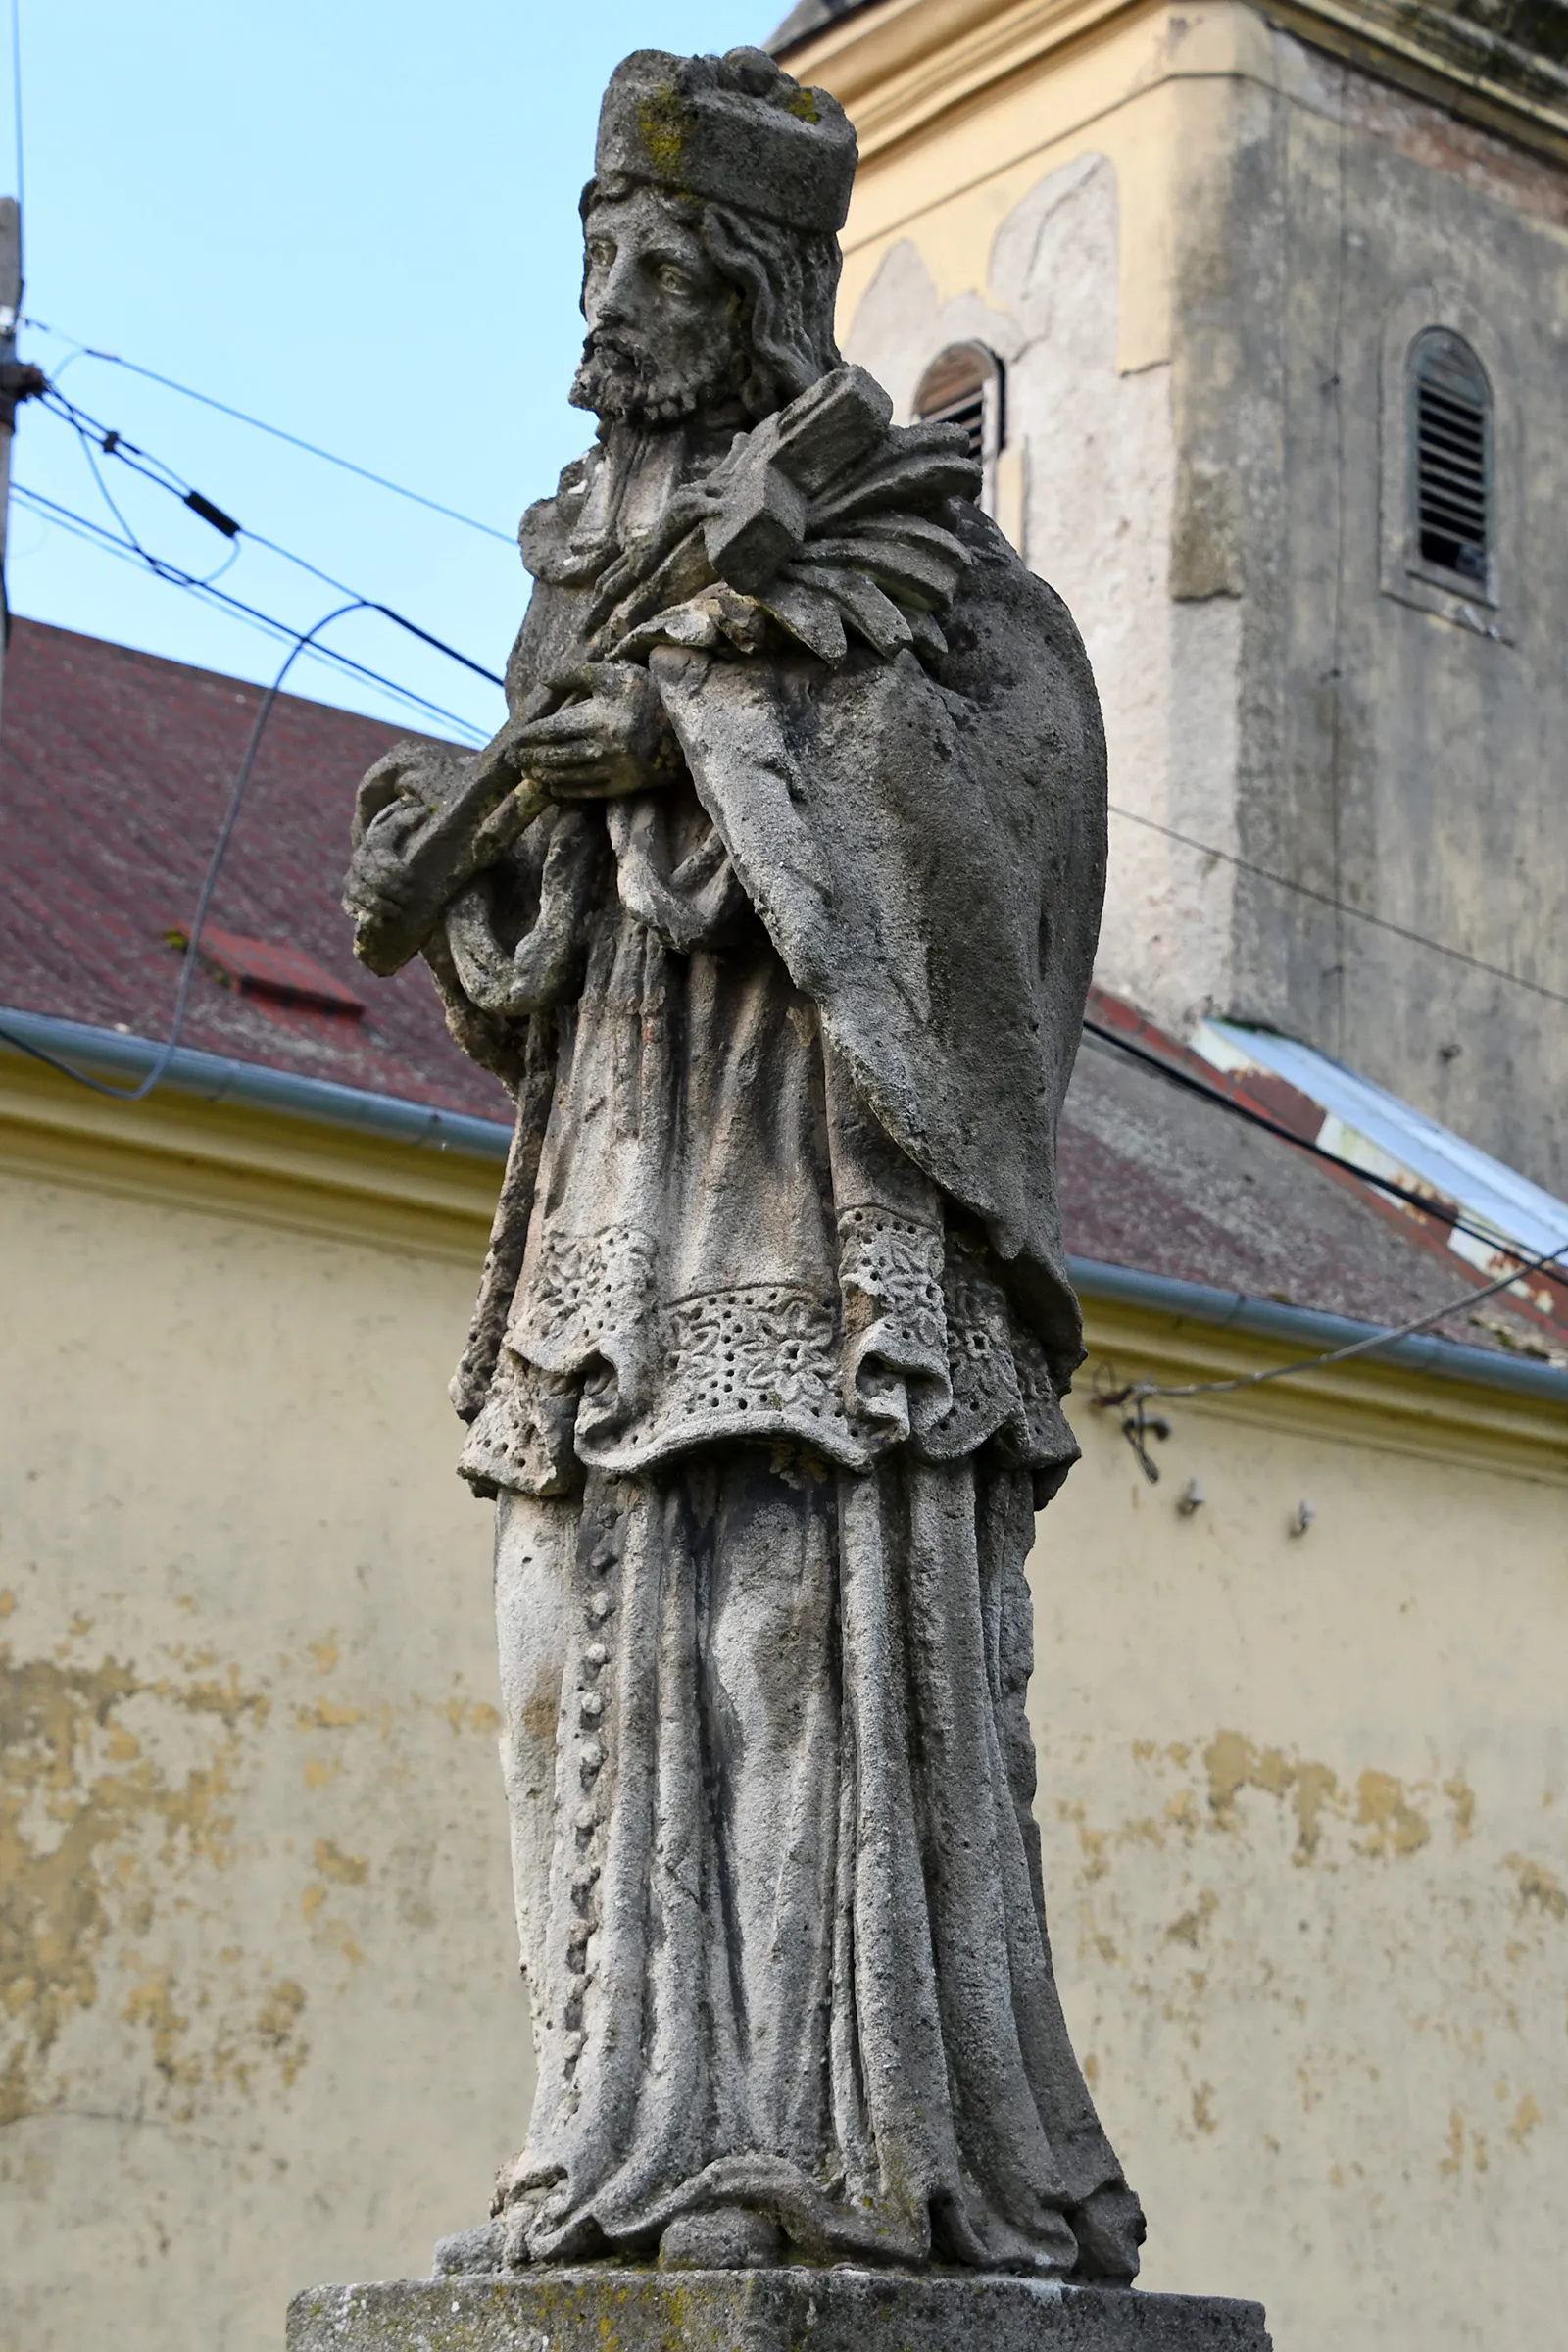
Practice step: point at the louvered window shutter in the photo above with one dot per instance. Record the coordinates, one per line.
(1451, 466)
(964, 386)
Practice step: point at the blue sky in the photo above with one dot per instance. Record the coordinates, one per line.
(356, 219)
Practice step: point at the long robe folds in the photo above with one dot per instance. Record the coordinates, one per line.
(766, 1378)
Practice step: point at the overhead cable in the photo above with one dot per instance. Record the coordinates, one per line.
(153, 469)
(1205, 849)
(1324, 898)
(131, 550)
(113, 358)
(1137, 1392)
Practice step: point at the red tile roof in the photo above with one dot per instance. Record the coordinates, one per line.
(114, 771)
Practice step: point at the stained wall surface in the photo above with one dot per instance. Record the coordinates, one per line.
(1202, 250)
(1400, 748)
(258, 1987)
(1302, 1802)
(1305, 1808)
(1037, 221)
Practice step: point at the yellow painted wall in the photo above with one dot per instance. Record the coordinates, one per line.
(260, 2019)
(949, 178)
(1304, 1805)
(257, 1974)
(1045, 217)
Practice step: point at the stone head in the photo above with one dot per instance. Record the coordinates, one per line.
(709, 234)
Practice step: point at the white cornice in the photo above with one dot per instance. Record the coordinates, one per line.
(899, 65)
(264, 1145)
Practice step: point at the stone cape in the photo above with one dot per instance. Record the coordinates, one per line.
(905, 830)
(917, 846)
(778, 1880)
(795, 2310)
(924, 840)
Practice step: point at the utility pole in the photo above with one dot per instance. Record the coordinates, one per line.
(17, 381)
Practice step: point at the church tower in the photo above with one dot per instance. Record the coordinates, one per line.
(1259, 316)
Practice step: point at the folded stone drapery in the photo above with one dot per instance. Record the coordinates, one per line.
(775, 905)
(789, 1952)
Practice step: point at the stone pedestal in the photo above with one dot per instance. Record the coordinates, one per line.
(795, 2309)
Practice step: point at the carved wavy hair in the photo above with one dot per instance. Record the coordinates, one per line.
(786, 278)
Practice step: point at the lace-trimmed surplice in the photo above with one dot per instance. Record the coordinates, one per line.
(724, 1245)
(765, 1431)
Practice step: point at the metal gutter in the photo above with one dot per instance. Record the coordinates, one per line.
(214, 1078)
(1314, 1333)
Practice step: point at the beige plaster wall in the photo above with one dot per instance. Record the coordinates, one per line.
(1402, 755)
(260, 2020)
(1301, 1797)
(1041, 221)
(1201, 247)
(1305, 1829)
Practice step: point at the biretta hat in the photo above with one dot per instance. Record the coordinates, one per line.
(734, 128)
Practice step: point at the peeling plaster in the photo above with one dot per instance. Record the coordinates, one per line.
(103, 1824)
(1538, 1886)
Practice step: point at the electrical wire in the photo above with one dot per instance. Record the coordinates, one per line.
(162, 476)
(303, 638)
(1139, 1390)
(131, 550)
(113, 358)
(1453, 1221)
(1325, 898)
(115, 445)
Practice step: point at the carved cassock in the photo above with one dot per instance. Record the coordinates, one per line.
(766, 1370)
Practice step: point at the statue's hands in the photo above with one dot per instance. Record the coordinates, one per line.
(392, 806)
(394, 794)
(428, 821)
(423, 825)
(613, 741)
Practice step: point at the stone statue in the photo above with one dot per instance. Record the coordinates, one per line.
(773, 904)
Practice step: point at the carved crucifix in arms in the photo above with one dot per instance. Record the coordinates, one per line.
(773, 904)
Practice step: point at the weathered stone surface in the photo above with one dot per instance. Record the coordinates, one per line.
(606, 2309)
(782, 938)
(774, 900)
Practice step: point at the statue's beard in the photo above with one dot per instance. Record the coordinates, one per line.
(624, 385)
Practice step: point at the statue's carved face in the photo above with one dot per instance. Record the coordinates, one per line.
(663, 323)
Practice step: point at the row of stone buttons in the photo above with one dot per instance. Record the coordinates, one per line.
(591, 1754)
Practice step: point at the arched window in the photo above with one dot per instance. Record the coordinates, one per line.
(964, 385)
(1453, 499)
